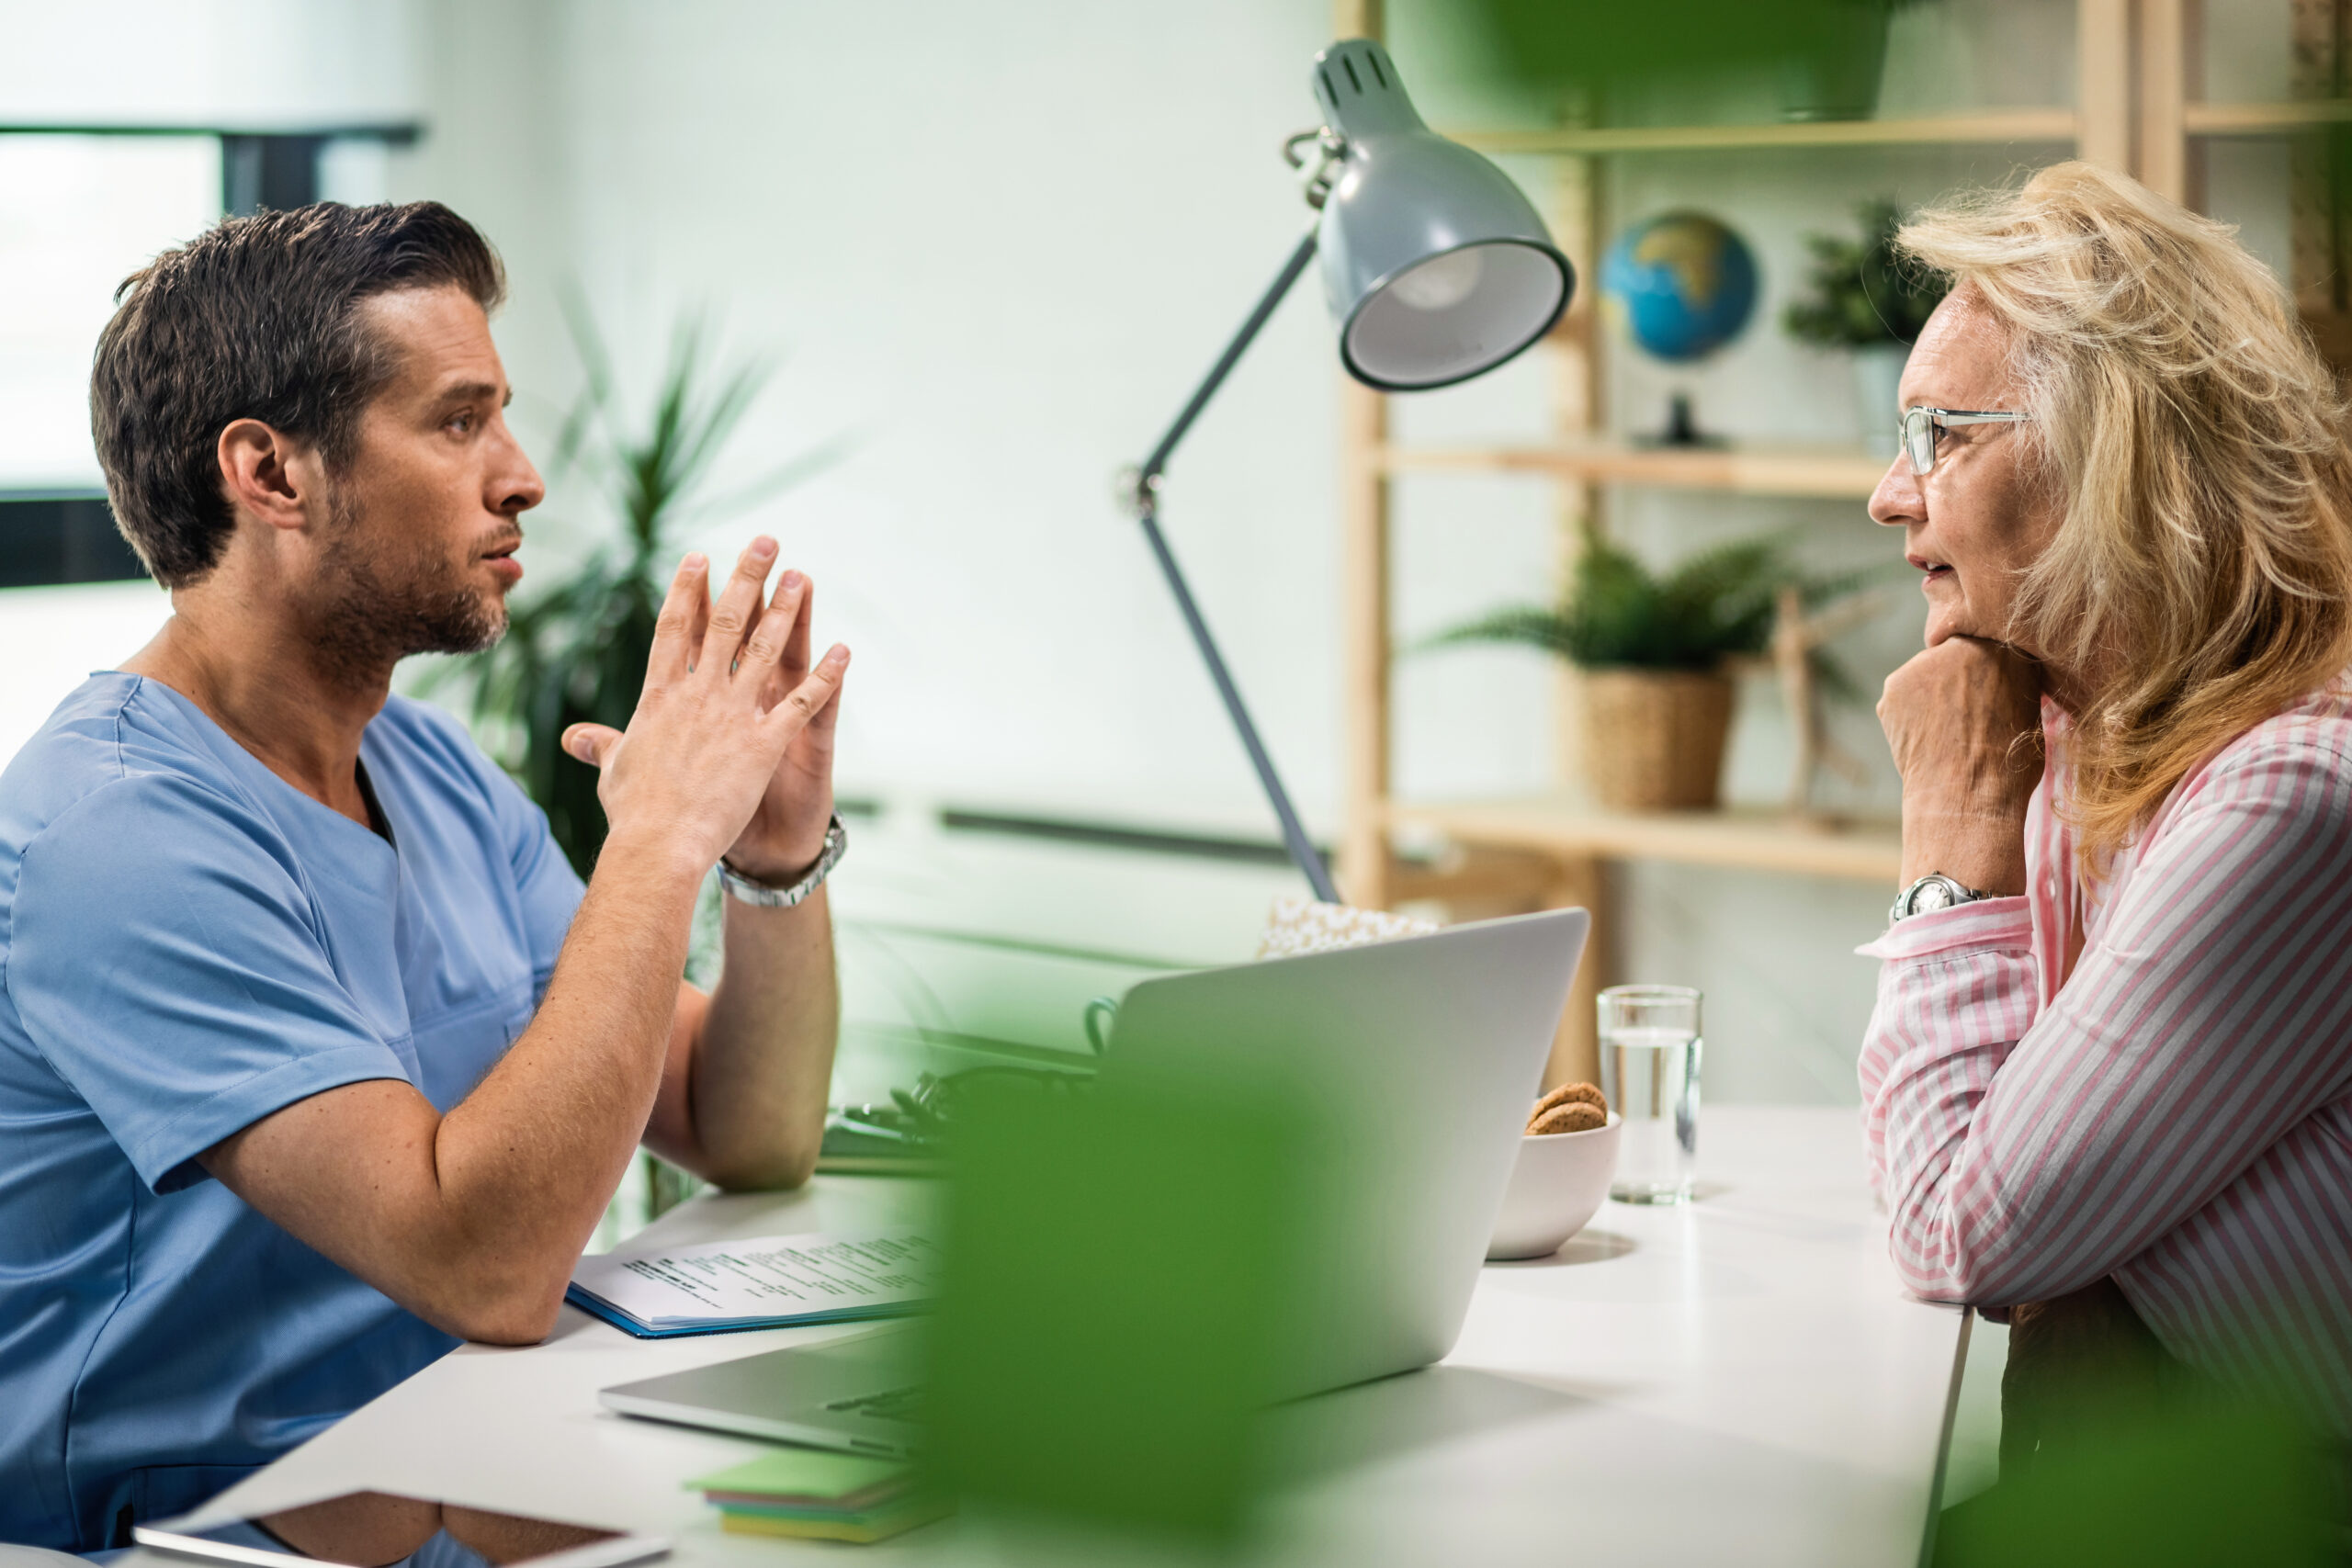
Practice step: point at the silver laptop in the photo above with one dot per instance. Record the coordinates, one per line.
(1430, 1048)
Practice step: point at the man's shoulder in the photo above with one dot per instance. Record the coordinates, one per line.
(111, 742)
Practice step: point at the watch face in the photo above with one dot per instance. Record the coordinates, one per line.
(1931, 896)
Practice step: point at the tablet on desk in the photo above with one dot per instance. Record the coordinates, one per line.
(361, 1529)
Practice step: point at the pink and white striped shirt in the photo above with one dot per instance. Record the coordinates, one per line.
(2175, 1112)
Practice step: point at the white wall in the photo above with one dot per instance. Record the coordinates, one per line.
(77, 215)
(251, 64)
(52, 639)
(241, 64)
(997, 246)
(1000, 242)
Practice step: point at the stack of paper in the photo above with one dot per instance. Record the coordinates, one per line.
(808, 1492)
(765, 1282)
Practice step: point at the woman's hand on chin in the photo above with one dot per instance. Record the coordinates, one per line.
(1965, 721)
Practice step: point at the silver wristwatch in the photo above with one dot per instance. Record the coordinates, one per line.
(766, 898)
(1932, 892)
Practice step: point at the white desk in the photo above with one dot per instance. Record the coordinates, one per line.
(1740, 1380)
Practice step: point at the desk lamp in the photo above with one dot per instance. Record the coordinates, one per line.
(1436, 269)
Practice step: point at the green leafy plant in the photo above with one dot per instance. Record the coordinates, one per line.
(1716, 606)
(1862, 291)
(576, 653)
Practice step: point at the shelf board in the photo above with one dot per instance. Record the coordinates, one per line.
(1747, 839)
(1988, 126)
(2264, 120)
(1840, 473)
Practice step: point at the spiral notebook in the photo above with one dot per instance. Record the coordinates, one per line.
(777, 1282)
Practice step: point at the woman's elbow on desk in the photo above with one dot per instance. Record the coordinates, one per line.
(1935, 1253)
(1957, 1239)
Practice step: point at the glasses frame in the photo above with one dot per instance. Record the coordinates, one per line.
(1921, 425)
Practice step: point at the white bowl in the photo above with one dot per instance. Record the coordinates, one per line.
(1559, 1183)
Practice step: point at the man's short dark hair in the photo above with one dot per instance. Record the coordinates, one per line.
(257, 318)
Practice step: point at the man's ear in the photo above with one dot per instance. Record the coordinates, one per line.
(268, 474)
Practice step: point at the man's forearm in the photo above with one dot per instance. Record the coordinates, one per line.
(764, 1059)
(472, 1219)
(530, 1160)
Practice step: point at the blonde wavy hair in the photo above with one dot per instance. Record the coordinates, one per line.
(2200, 578)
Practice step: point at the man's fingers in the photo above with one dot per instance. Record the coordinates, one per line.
(731, 617)
(678, 627)
(698, 619)
(810, 697)
(795, 663)
(773, 635)
(821, 722)
(590, 743)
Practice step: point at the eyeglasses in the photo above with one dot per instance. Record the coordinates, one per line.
(1922, 426)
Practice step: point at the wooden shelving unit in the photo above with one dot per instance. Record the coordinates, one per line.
(1994, 127)
(1803, 471)
(2133, 110)
(2263, 120)
(1748, 841)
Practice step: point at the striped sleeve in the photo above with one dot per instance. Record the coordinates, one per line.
(2024, 1150)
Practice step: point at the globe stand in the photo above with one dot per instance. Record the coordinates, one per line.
(1682, 430)
(1686, 284)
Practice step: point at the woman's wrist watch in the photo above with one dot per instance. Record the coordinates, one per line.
(1932, 892)
(767, 897)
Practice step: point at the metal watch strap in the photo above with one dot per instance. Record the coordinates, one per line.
(766, 898)
(1953, 894)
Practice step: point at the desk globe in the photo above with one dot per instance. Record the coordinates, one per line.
(1685, 284)
(1685, 281)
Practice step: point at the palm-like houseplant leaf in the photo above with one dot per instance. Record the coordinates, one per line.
(1716, 606)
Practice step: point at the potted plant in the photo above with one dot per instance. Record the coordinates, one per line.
(1824, 57)
(1655, 651)
(1866, 298)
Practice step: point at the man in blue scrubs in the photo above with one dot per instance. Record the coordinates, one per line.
(315, 1056)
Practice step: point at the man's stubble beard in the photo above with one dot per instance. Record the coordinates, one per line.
(379, 602)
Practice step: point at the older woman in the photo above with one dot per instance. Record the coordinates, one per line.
(2113, 1051)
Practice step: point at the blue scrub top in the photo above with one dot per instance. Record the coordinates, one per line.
(188, 943)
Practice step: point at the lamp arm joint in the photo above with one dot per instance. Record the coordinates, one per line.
(1330, 152)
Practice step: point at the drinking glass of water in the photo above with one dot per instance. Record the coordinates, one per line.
(1649, 1070)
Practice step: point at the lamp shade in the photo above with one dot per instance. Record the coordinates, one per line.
(1435, 265)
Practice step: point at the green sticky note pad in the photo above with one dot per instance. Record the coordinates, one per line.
(803, 1473)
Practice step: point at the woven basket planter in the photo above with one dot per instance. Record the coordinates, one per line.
(1654, 738)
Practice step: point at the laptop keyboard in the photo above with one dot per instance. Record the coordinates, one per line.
(891, 1404)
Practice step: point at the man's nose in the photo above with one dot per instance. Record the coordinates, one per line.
(515, 485)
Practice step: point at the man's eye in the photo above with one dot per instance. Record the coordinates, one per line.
(463, 423)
